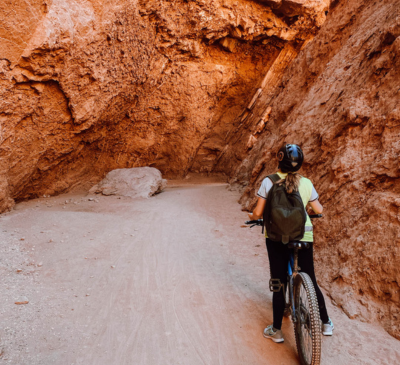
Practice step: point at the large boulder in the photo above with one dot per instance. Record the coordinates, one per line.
(137, 182)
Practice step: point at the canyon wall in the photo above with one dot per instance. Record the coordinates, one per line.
(217, 86)
(90, 86)
(339, 100)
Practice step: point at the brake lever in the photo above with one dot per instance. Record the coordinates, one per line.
(253, 223)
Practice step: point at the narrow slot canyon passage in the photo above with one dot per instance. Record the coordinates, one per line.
(173, 279)
(203, 93)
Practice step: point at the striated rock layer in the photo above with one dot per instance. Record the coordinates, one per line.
(339, 100)
(90, 86)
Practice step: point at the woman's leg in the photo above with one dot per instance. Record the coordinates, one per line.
(306, 263)
(278, 255)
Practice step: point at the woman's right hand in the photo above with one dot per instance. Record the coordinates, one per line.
(316, 206)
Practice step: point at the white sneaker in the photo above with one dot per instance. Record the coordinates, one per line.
(273, 334)
(327, 328)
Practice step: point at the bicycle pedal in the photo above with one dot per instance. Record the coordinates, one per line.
(275, 285)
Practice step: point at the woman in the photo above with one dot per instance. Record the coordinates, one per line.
(290, 158)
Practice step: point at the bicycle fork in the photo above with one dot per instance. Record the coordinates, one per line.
(292, 271)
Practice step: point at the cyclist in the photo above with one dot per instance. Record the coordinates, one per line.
(290, 158)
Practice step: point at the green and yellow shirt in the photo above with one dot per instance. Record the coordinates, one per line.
(307, 193)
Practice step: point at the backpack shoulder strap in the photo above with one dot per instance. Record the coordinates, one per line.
(274, 178)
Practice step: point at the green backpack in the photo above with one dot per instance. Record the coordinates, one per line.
(284, 214)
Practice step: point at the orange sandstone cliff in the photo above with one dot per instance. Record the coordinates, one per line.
(339, 100)
(90, 86)
(87, 86)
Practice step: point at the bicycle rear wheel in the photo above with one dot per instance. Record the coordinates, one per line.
(307, 328)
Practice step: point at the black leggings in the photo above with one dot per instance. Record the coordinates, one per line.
(279, 255)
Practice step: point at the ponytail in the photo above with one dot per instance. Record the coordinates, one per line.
(292, 182)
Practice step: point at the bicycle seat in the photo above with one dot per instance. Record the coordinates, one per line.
(299, 245)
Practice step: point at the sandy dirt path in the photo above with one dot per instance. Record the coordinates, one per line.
(169, 280)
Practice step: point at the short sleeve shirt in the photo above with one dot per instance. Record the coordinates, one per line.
(307, 192)
(266, 186)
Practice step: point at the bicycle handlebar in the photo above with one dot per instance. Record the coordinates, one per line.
(260, 222)
(315, 216)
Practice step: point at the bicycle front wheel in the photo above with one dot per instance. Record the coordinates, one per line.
(307, 327)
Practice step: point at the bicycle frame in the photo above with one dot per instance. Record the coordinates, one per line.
(293, 269)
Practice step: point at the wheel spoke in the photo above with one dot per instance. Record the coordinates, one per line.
(306, 328)
(305, 324)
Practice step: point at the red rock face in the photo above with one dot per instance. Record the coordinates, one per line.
(90, 86)
(339, 100)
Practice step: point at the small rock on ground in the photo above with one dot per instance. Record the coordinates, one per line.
(22, 300)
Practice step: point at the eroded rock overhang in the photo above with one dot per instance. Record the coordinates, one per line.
(90, 86)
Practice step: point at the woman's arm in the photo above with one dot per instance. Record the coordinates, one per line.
(316, 206)
(259, 210)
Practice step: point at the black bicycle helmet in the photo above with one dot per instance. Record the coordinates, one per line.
(290, 158)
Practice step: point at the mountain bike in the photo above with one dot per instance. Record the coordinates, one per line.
(301, 304)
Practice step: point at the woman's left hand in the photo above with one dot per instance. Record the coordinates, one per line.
(258, 211)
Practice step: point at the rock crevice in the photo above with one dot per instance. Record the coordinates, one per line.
(339, 100)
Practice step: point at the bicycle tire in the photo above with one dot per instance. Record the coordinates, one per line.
(307, 328)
